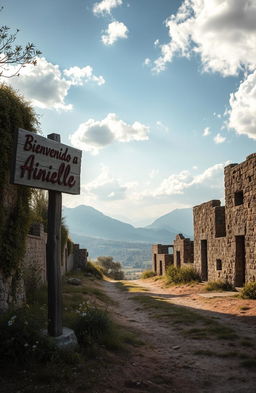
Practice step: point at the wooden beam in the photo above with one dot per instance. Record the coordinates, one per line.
(54, 259)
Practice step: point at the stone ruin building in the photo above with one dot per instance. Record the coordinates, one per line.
(224, 246)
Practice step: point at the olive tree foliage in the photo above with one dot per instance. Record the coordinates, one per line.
(13, 54)
(110, 268)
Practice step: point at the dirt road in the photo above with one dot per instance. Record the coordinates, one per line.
(191, 343)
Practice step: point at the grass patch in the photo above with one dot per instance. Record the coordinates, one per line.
(201, 327)
(219, 285)
(182, 275)
(148, 274)
(249, 291)
(91, 269)
(127, 287)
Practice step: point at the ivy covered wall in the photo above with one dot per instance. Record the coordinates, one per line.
(15, 113)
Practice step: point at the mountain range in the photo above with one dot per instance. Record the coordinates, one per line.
(104, 235)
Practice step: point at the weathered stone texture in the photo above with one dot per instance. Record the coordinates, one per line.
(225, 237)
(183, 250)
(161, 258)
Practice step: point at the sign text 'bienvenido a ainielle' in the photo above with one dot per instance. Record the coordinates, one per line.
(44, 163)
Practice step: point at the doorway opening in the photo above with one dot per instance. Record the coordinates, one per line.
(204, 260)
(240, 261)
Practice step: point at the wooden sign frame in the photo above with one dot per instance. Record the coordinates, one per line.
(45, 163)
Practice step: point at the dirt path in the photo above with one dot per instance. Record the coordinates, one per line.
(186, 349)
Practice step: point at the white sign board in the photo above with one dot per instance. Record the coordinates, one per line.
(43, 163)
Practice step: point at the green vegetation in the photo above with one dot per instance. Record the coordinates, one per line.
(249, 291)
(190, 323)
(219, 285)
(183, 275)
(93, 270)
(110, 268)
(148, 274)
(14, 219)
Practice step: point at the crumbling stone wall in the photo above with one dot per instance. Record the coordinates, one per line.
(35, 257)
(183, 250)
(161, 258)
(210, 250)
(80, 256)
(226, 236)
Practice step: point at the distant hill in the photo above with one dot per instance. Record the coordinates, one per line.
(103, 235)
(178, 220)
(87, 221)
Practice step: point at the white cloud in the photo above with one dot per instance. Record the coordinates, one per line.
(78, 76)
(47, 87)
(206, 131)
(114, 31)
(161, 126)
(105, 6)
(242, 115)
(219, 138)
(147, 61)
(94, 135)
(222, 32)
(105, 187)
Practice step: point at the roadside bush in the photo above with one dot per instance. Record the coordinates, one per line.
(110, 268)
(94, 270)
(148, 274)
(249, 291)
(219, 285)
(21, 340)
(182, 275)
(91, 326)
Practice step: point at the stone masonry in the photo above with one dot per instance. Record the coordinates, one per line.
(183, 250)
(161, 258)
(224, 236)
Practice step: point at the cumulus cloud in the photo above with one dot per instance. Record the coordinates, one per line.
(105, 6)
(47, 87)
(206, 131)
(105, 186)
(222, 32)
(185, 182)
(242, 115)
(219, 138)
(115, 31)
(94, 135)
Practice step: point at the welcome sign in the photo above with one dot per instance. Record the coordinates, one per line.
(44, 163)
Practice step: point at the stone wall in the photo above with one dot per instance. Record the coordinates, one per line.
(183, 250)
(225, 237)
(80, 256)
(161, 258)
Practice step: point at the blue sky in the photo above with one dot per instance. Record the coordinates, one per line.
(159, 95)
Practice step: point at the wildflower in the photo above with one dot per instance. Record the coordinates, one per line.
(26, 345)
(11, 320)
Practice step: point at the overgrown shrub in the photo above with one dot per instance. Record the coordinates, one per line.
(21, 340)
(15, 112)
(219, 285)
(92, 269)
(110, 268)
(148, 274)
(249, 291)
(182, 275)
(91, 325)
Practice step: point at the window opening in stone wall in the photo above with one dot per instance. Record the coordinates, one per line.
(240, 261)
(161, 267)
(239, 198)
(170, 250)
(204, 260)
(218, 264)
(178, 258)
